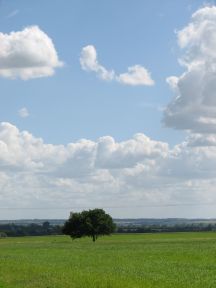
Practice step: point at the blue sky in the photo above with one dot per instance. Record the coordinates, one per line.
(69, 101)
(125, 33)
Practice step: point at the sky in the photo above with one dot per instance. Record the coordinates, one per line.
(107, 104)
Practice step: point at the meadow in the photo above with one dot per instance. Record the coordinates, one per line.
(129, 261)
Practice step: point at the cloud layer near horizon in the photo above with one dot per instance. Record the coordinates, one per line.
(136, 75)
(100, 173)
(27, 54)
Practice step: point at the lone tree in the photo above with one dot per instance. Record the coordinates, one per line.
(91, 223)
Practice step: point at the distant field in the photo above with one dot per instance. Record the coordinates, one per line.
(141, 260)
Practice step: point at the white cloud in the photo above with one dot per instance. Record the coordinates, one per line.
(136, 75)
(194, 106)
(104, 173)
(89, 62)
(22, 151)
(23, 112)
(202, 140)
(27, 54)
(139, 149)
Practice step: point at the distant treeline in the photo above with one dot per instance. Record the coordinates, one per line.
(45, 228)
(13, 230)
(198, 227)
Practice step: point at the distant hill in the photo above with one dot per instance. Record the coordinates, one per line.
(33, 221)
(166, 221)
(121, 222)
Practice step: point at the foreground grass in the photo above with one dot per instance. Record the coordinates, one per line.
(129, 261)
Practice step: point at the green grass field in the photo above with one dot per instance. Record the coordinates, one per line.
(144, 260)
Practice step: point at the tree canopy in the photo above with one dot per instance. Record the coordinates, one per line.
(91, 223)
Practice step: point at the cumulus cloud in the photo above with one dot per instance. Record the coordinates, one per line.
(105, 172)
(202, 140)
(89, 62)
(81, 173)
(27, 54)
(128, 153)
(136, 75)
(23, 112)
(194, 105)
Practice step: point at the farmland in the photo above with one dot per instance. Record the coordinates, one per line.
(141, 260)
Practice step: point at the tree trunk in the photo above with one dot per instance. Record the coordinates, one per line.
(93, 238)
